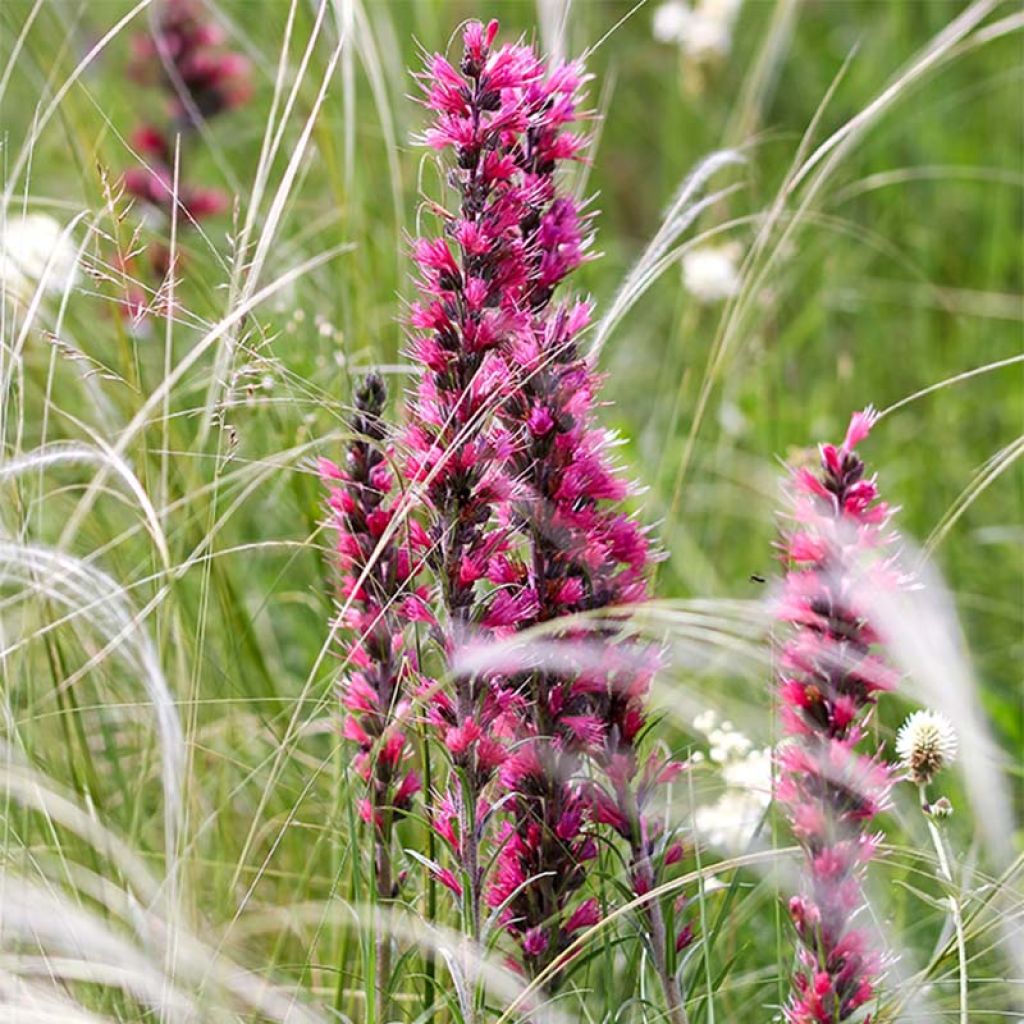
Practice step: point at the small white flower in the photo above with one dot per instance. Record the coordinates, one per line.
(926, 743)
(671, 21)
(710, 273)
(727, 744)
(752, 773)
(33, 249)
(705, 721)
(703, 31)
(730, 821)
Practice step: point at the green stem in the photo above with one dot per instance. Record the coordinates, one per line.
(954, 903)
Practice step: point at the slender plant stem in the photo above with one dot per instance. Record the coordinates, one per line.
(669, 984)
(471, 866)
(383, 959)
(643, 869)
(429, 972)
(952, 900)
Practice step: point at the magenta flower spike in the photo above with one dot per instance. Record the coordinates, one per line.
(517, 515)
(829, 677)
(379, 599)
(501, 115)
(526, 522)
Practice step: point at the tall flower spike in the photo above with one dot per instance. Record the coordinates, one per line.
(380, 598)
(492, 342)
(585, 553)
(500, 115)
(839, 548)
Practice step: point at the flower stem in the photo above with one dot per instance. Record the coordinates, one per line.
(384, 897)
(471, 866)
(669, 984)
(954, 903)
(644, 869)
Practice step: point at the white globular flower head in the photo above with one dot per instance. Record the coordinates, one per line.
(926, 743)
(671, 21)
(710, 274)
(34, 249)
(703, 30)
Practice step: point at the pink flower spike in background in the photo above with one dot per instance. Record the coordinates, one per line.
(838, 546)
(183, 56)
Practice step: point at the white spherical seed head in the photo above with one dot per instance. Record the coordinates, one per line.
(926, 743)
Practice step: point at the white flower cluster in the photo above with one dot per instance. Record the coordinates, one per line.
(34, 249)
(710, 274)
(702, 30)
(746, 771)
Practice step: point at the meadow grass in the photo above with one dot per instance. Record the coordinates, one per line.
(179, 832)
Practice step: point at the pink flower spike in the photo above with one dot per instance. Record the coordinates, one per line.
(829, 677)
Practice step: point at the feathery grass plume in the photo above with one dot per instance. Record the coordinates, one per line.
(380, 600)
(184, 57)
(829, 677)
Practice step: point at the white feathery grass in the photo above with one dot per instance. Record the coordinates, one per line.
(768, 248)
(155, 399)
(275, 212)
(75, 453)
(987, 475)
(685, 208)
(553, 19)
(77, 585)
(40, 121)
(81, 946)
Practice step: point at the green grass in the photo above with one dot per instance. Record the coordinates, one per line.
(903, 271)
